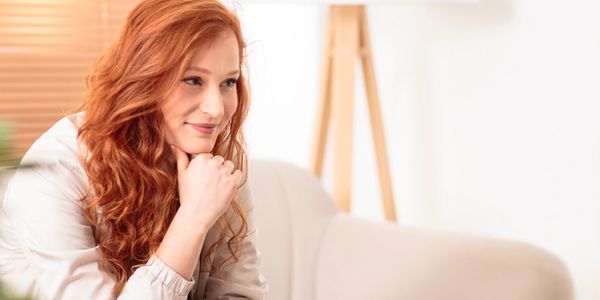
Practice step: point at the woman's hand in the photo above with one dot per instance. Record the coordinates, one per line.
(207, 184)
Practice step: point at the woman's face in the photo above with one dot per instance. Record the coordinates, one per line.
(205, 98)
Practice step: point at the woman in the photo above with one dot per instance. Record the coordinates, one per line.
(142, 194)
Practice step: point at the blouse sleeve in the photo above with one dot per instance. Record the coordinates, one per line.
(242, 279)
(43, 206)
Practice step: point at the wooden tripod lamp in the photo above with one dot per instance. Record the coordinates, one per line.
(346, 41)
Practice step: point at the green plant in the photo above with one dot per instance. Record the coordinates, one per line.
(5, 295)
(7, 160)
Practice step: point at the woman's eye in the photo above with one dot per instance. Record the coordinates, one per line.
(229, 83)
(193, 81)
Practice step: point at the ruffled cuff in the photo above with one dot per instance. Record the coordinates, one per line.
(169, 278)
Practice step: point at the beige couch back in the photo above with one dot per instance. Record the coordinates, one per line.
(289, 242)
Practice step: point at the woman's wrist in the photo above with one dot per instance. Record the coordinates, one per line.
(197, 223)
(181, 246)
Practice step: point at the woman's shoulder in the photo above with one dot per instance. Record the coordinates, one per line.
(52, 163)
(58, 143)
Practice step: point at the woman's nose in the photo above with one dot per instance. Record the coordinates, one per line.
(212, 103)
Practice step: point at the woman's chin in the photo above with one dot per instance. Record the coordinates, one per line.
(193, 151)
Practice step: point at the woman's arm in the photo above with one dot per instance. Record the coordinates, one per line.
(181, 246)
(206, 186)
(242, 279)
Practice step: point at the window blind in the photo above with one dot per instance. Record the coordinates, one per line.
(47, 49)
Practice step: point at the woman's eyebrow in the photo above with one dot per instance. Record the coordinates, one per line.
(206, 71)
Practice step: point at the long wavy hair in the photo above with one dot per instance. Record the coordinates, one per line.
(133, 194)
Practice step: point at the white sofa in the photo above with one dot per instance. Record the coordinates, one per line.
(312, 251)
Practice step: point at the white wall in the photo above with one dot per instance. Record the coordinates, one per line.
(490, 113)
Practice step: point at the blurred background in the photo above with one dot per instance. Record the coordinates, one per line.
(489, 109)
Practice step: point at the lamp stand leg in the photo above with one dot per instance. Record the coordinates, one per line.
(366, 56)
(324, 104)
(345, 48)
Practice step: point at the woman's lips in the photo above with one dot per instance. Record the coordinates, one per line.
(202, 127)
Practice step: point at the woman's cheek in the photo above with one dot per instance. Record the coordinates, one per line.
(169, 135)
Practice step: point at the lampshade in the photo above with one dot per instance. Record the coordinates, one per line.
(357, 1)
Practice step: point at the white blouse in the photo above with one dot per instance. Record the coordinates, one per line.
(47, 248)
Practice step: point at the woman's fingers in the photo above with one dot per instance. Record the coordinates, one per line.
(206, 183)
(218, 159)
(228, 166)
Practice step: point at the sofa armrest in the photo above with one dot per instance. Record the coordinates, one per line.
(362, 259)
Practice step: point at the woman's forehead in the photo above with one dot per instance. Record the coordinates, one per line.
(219, 56)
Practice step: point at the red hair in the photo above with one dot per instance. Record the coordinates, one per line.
(131, 170)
